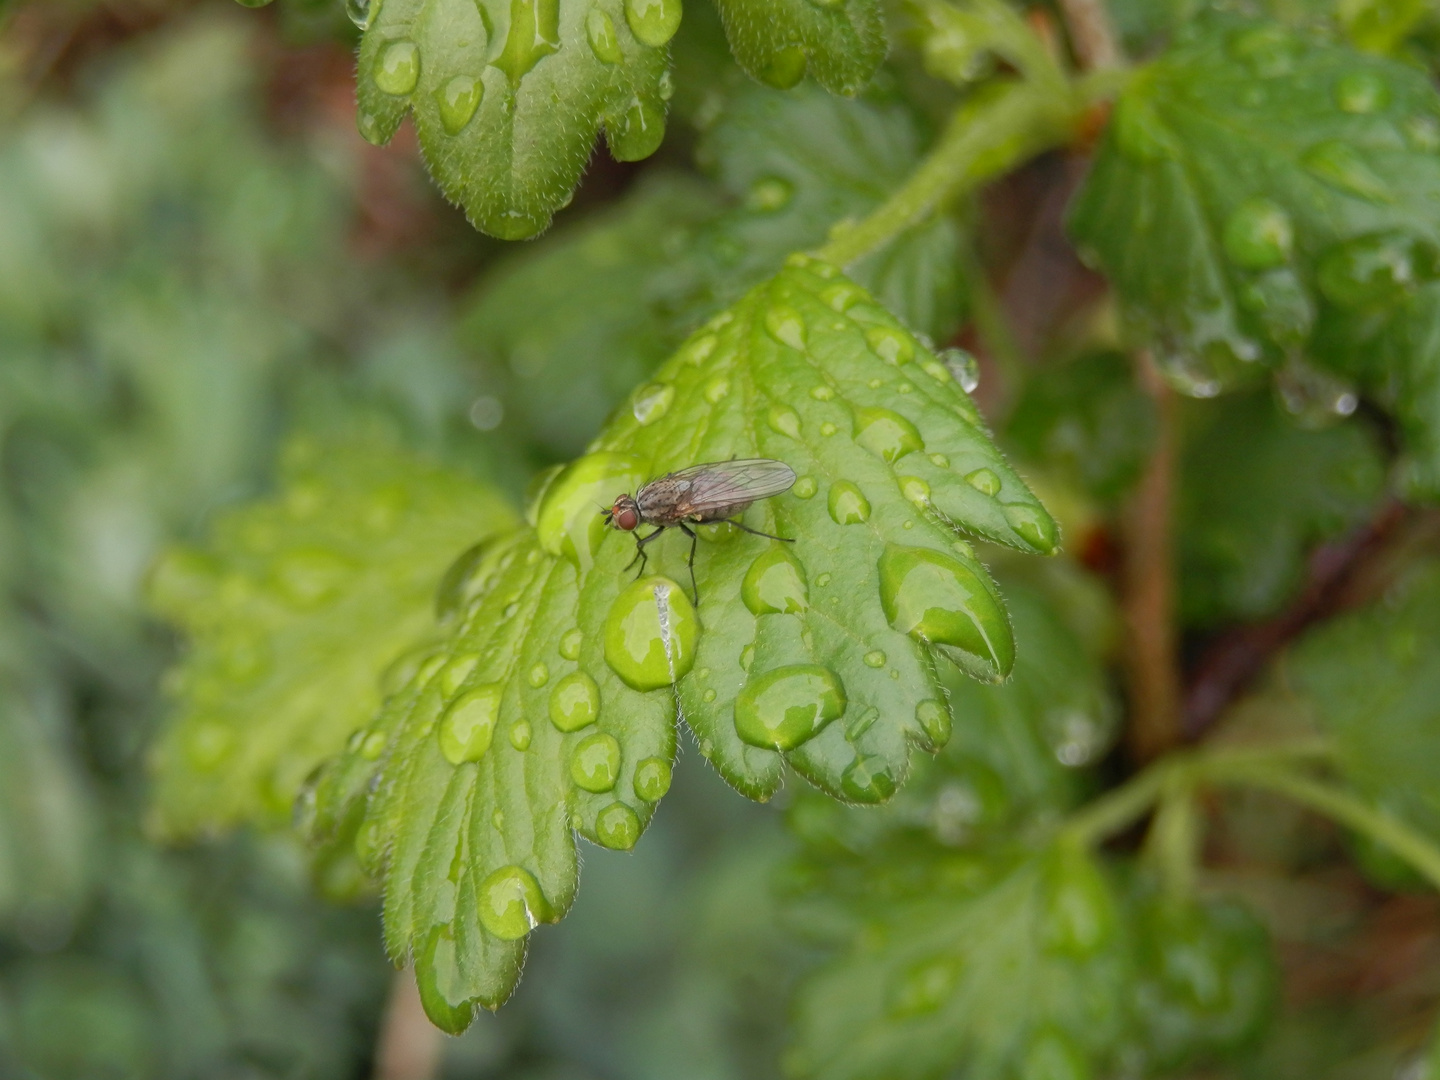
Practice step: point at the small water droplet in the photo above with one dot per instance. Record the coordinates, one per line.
(769, 194)
(904, 387)
(940, 461)
(708, 696)
(784, 420)
(539, 675)
(468, 725)
(1362, 92)
(784, 708)
(827, 429)
(868, 780)
(936, 598)
(600, 32)
(1033, 525)
(934, 718)
(368, 124)
(570, 644)
(964, 367)
(1314, 397)
(373, 745)
(595, 762)
(398, 68)
(359, 13)
(890, 345)
(984, 481)
(567, 522)
(1258, 235)
(457, 100)
(785, 325)
(822, 392)
(916, 491)
(511, 903)
(617, 827)
(637, 133)
(652, 779)
(805, 487)
(886, 434)
(1340, 165)
(717, 389)
(652, 402)
(842, 296)
(823, 579)
(775, 584)
(666, 86)
(875, 384)
(848, 505)
(875, 658)
(511, 610)
(927, 985)
(520, 735)
(644, 654)
(575, 702)
(453, 674)
(654, 22)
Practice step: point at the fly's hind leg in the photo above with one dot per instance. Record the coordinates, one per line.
(693, 539)
(757, 532)
(640, 556)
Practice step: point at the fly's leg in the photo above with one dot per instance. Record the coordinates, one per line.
(640, 556)
(757, 532)
(693, 539)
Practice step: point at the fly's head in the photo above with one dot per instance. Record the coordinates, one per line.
(624, 515)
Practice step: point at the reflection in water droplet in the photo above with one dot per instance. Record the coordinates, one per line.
(645, 655)
(469, 724)
(457, 100)
(600, 32)
(785, 325)
(568, 522)
(984, 481)
(788, 706)
(1258, 235)
(575, 702)
(875, 658)
(934, 718)
(398, 68)
(511, 903)
(539, 675)
(617, 827)
(520, 735)
(805, 488)
(936, 598)
(1340, 165)
(769, 194)
(1362, 92)
(653, 401)
(570, 644)
(595, 762)
(890, 345)
(784, 420)
(652, 779)
(886, 434)
(654, 22)
(848, 505)
(775, 583)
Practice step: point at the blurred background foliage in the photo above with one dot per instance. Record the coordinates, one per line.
(205, 275)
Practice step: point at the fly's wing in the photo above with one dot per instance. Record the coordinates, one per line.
(702, 490)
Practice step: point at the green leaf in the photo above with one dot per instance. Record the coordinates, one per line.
(1373, 680)
(509, 95)
(1255, 185)
(839, 42)
(550, 706)
(1257, 493)
(293, 610)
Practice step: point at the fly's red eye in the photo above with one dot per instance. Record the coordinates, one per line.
(626, 519)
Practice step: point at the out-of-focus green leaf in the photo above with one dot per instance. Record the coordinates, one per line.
(293, 611)
(1256, 494)
(839, 43)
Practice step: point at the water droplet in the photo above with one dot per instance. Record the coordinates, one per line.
(442, 987)
(775, 584)
(769, 194)
(1033, 525)
(1339, 164)
(747, 657)
(359, 13)
(786, 68)
(1362, 92)
(666, 86)
(886, 434)
(936, 598)
(652, 402)
(534, 34)
(916, 491)
(1283, 304)
(875, 658)
(785, 707)
(1376, 270)
(927, 985)
(842, 296)
(708, 696)
(717, 389)
(1423, 133)
(940, 461)
(654, 22)
(827, 429)
(848, 505)
(890, 345)
(511, 903)
(784, 421)
(370, 128)
(1140, 133)
(539, 675)
(520, 735)
(822, 392)
(595, 763)
(453, 675)
(698, 349)
(652, 779)
(960, 365)
(875, 384)
(785, 325)
(575, 702)
(469, 724)
(398, 69)
(1314, 397)
(511, 610)
(1268, 50)
(934, 718)
(568, 522)
(429, 669)
(1258, 235)
(617, 827)
(457, 100)
(570, 644)
(805, 488)
(868, 780)
(497, 820)
(600, 32)
(646, 652)
(823, 579)
(984, 481)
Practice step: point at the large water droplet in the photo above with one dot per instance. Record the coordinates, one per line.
(1362, 92)
(915, 490)
(511, 903)
(595, 762)
(786, 68)
(785, 325)
(963, 367)
(457, 100)
(937, 598)
(769, 194)
(984, 481)
(1376, 270)
(441, 984)
(568, 522)
(1033, 525)
(652, 402)
(886, 434)
(654, 22)
(652, 779)
(890, 345)
(637, 132)
(925, 986)
(783, 708)
(934, 718)
(848, 505)
(468, 725)
(534, 34)
(600, 32)
(575, 702)
(398, 69)
(650, 634)
(359, 13)
(775, 583)
(1258, 235)
(1340, 165)
(784, 421)
(868, 779)
(453, 675)
(617, 827)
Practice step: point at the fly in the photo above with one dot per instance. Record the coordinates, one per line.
(717, 491)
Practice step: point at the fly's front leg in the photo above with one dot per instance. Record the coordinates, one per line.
(640, 555)
(693, 538)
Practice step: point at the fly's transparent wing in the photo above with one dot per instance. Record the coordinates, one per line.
(729, 483)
